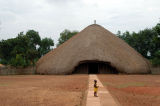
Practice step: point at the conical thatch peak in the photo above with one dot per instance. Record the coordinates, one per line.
(92, 43)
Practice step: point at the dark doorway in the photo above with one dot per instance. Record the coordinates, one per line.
(93, 68)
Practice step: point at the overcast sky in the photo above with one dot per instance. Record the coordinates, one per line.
(50, 17)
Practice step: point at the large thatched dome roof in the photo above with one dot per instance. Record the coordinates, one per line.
(92, 43)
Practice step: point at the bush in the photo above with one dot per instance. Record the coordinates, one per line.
(3, 61)
(156, 60)
(18, 61)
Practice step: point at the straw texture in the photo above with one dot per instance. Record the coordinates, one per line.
(93, 43)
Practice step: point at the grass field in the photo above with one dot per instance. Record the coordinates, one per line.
(133, 90)
(43, 90)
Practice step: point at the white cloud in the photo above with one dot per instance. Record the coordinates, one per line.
(50, 17)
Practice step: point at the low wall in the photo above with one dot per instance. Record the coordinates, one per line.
(8, 70)
(155, 70)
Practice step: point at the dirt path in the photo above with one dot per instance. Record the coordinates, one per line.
(104, 97)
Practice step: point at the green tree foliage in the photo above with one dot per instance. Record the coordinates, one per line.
(65, 35)
(146, 42)
(18, 61)
(156, 42)
(25, 49)
(156, 39)
(34, 38)
(45, 45)
(156, 60)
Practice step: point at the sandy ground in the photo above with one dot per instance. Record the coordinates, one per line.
(70, 90)
(36, 90)
(133, 90)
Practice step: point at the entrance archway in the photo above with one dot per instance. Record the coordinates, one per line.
(95, 67)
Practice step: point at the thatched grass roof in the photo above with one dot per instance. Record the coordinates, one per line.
(92, 43)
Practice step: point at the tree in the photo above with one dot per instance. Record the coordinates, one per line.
(6, 49)
(18, 61)
(34, 42)
(156, 39)
(65, 35)
(156, 42)
(146, 42)
(34, 38)
(24, 50)
(141, 41)
(156, 60)
(45, 46)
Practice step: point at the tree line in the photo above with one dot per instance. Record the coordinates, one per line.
(146, 42)
(26, 49)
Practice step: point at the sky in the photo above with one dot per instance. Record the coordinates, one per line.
(51, 17)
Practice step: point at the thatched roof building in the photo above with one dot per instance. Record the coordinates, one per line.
(93, 50)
